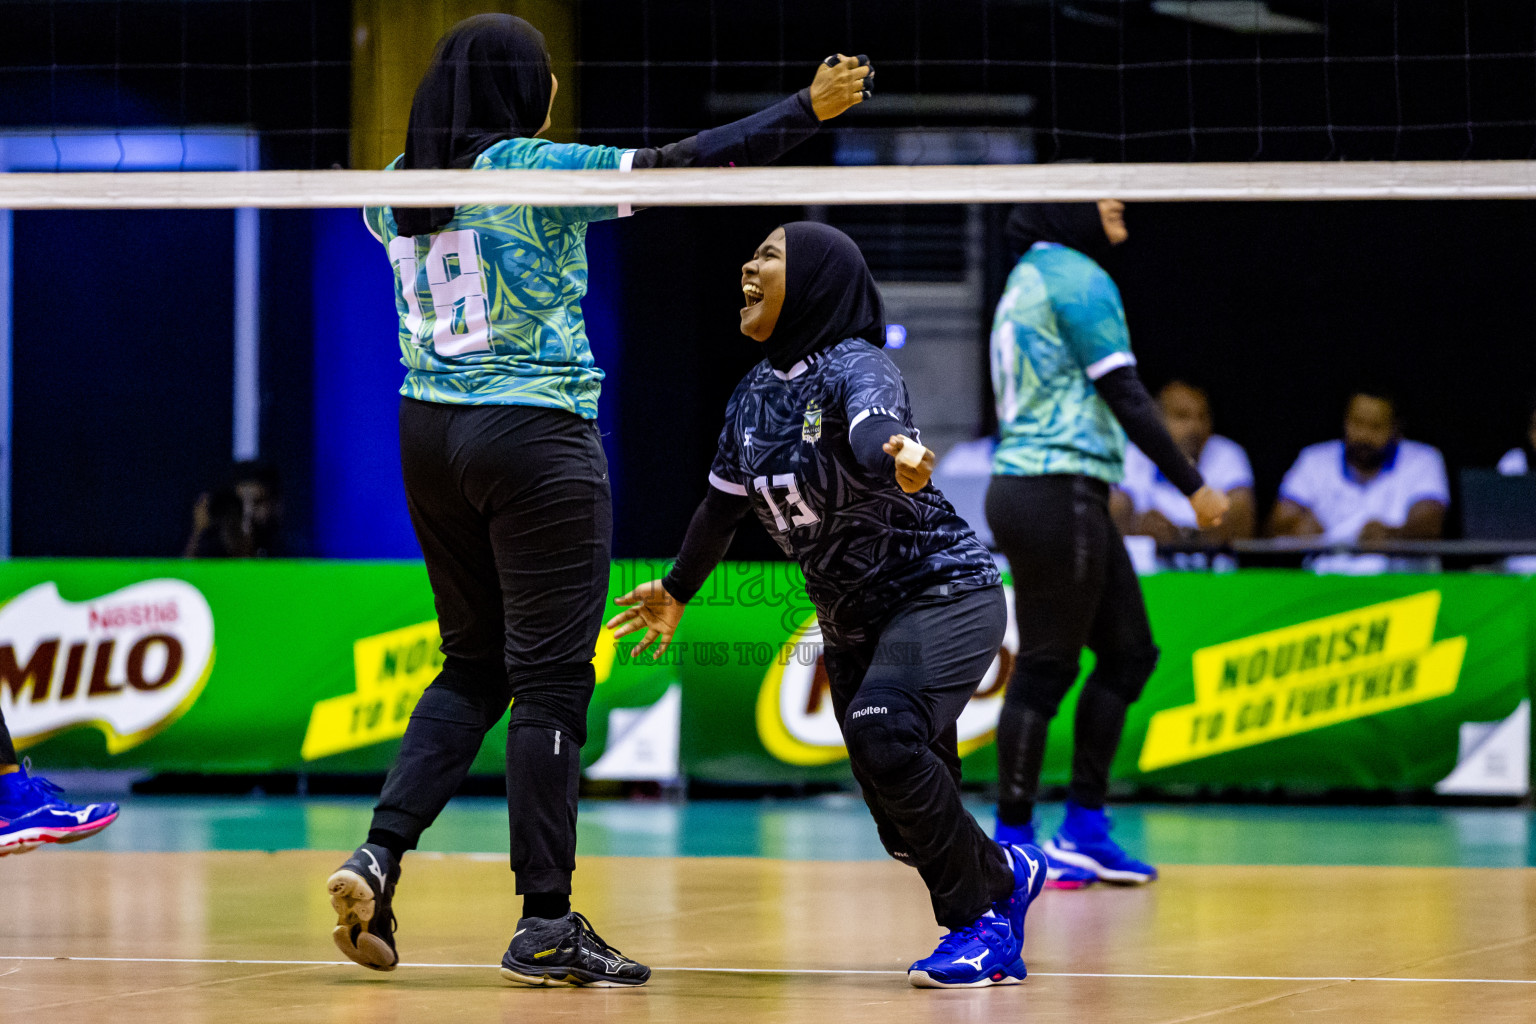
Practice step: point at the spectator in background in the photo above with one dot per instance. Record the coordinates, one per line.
(241, 519)
(1371, 485)
(1146, 503)
(1522, 459)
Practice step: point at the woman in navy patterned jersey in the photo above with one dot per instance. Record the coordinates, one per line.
(810, 444)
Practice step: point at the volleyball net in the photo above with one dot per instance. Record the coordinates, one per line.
(775, 186)
(316, 85)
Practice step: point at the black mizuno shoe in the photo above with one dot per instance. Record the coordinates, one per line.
(566, 951)
(362, 892)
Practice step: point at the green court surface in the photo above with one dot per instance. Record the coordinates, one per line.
(837, 827)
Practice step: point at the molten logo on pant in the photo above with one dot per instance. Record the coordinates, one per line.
(128, 663)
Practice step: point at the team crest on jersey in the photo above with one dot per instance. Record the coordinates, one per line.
(811, 431)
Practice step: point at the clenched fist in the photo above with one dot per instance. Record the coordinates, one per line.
(840, 83)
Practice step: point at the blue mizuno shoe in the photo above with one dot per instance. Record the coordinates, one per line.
(976, 956)
(32, 813)
(989, 951)
(1083, 841)
(1029, 870)
(1059, 875)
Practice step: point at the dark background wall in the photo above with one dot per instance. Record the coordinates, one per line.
(120, 391)
(1279, 309)
(1276, 308)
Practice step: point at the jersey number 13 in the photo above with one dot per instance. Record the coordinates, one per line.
(790, 508)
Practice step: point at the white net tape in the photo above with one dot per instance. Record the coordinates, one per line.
(775, 186)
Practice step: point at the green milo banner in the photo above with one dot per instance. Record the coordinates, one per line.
(1268, 679)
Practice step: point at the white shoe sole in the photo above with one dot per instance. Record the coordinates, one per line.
(30, 839)
(1105, 874)
(353, 900)
(922, 979)
(544, 980)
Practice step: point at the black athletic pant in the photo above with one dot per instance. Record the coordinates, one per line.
(1073, 587)
(897, 697)
(512, 510)
(7, 748)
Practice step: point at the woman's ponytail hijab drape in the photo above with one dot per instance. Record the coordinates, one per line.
(1075, 225)
(489, 80)
(829, 295)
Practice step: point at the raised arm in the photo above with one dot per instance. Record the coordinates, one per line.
(768, 134)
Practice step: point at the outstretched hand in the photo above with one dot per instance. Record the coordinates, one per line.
(840, 83)
(914, 463)
(652, 609)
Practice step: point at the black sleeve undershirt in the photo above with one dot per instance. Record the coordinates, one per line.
(868, 440)
(754, 140)
(709, 535)
(1127, 398)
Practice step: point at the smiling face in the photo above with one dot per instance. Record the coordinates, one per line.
(762, 285)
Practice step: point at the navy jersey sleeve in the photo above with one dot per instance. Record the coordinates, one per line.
(727, 473)
(873, 387)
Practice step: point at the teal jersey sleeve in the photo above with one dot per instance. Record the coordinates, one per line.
(1092, 318)
(542, 155)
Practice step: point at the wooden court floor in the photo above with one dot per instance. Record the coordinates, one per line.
(244, 937)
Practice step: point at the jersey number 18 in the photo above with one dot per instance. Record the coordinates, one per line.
(461, 310)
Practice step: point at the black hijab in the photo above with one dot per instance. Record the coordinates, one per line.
(488, 81)
(829, 295)
(1075, 225)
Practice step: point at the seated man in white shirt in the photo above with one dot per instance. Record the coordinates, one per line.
(1146, 504)
(1371, 485)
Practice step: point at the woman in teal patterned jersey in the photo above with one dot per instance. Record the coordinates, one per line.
(506, 479)
(1067, 396)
